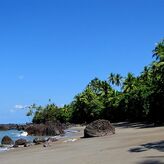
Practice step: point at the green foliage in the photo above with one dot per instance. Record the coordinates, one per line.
(139, 98)
(87, 106)
(50, 112)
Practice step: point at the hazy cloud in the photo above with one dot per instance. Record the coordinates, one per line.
(21, 77)
(12, 110)
(20, 106)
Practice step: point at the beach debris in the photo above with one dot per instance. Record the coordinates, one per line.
(6, 140)
(99, 128)
(70, 140)
(52, 139)
(49, 141)
(46, 144)
(28, 144)
(71, 131)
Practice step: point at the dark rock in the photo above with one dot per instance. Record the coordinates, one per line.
(38, 141)
(54, 128)
(35, 129)
(48, 129)
(4, 127)
(6, 140)
(20, 142)
(99, 128)
(21, 127)
(11, 126)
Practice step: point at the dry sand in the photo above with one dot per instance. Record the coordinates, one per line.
(122, 148)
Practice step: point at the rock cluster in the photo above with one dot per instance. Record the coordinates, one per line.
(24, 143)
(48, 129)
(4, 127)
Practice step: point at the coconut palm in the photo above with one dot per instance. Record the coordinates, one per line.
(129, 83)
(158, 52)
(111, 78)
(115, 79)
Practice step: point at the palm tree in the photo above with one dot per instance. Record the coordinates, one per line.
(111, 78)
(146, 74)
(158, 65)
(158, 52)
(115, 79)
(118, 80)
(129, 83)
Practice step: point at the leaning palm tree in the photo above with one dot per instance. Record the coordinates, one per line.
(158, 65)
(158, 52)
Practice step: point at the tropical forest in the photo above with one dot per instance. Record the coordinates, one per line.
(117, 98)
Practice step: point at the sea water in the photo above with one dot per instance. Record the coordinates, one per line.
(15, 135)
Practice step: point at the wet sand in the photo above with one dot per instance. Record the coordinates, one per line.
(122, 148)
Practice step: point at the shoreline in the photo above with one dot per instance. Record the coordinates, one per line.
(126, 146)
(71, 134)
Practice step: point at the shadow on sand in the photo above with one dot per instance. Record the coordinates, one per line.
(137, 125)
(151, 162)
(153, 145)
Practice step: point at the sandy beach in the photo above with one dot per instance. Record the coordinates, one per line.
(130, 145)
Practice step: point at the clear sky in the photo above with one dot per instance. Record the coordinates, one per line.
(53, 48)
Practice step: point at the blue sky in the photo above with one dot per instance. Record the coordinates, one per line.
(53, 48)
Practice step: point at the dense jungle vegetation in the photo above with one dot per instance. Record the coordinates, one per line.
(139, 98)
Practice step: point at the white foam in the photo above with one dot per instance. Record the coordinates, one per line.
(24, 134)
(3, 149)
(71, 140)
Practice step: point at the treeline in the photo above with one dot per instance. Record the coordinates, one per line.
(139, 98)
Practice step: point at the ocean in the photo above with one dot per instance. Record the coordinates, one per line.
(15, 135)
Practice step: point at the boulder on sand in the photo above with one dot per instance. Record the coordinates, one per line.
(38, 141)
(99, 128)
(20, 142)
(6, 140)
